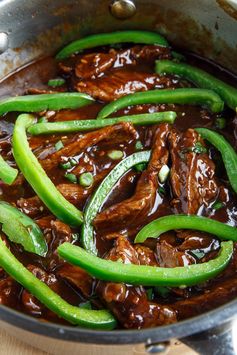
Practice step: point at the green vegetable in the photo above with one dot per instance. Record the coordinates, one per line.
(7, 174)
(217, 205)
(22, 230)
(101, 319)
(138, 145)
(59, 145)
(37, 178)
(86, 125)
(165, 96)
(56, 82)
(71, 177)
(220, 123)
(101, 194)
(150, 294)
(228, 153)
(140, 167)
(104, 39)
(162, 291)
(86, 179)
(36, 103)
(115, 154)
(42, 119)
(164, 224)
(85, 305)
(178, 57)
(108, 270)
(199, 78)
(66, 165)
(199, 148)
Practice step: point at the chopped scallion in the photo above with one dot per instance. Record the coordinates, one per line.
(86, 179)
(59, 145)
(115, 154)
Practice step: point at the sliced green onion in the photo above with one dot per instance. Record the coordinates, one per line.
(115, 154)
(140, 167)
(66, 165)
(217, 205)
(71, 177)
(59, 145)
(86, 179)
(138, 145)
(56, 82)
(220, 123)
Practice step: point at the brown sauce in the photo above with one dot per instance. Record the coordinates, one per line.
(94, 158)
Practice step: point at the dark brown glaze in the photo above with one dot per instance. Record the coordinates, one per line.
(132, 211)
(195, 183)
(130, 304)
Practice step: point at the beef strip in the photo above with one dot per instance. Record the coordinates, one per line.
(30, 303)
(92, 65)
(56, 232)
(120, 83)
(192, 174)
(129, 303)
(9, 290)
(118, 133)
(77, 278)
(133, 211)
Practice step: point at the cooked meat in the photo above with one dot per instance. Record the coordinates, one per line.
(169, 256)
(32, 207)
(131, 212)
(121, 83)
(30, 303)
(9, 290)
(129, 303)
(118, 133)
(192, 173)
(92, 65)
(77, 277)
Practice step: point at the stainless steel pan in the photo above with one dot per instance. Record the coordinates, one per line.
(32, 29)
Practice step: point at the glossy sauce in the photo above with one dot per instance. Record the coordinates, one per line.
(95, 159)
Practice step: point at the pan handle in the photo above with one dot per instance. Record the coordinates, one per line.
(218, 341)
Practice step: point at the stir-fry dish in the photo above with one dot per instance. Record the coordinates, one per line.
(118, 183)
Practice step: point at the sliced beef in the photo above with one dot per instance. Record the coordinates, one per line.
(77, 278)
(134, 211)
(56, 232)
(170, 256)
(120, 83)
(192, 173)
(30, 303)
(32, 206)
(211, 297)
(118, 133)
(130, 304)
(9, 290)
(92, 65)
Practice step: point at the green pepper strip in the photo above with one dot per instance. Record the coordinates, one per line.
(101, 319)
(36, 103)
(200, 78)
(101, 194)
(7, 173)
(228, 153)
(37, 178)
(165, 96)
(164, 224)
(104, 39)
(21, 229)
(85, 125)
(108, 270)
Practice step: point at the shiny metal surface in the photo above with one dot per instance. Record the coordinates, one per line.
(38, 27)
(123, 9)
